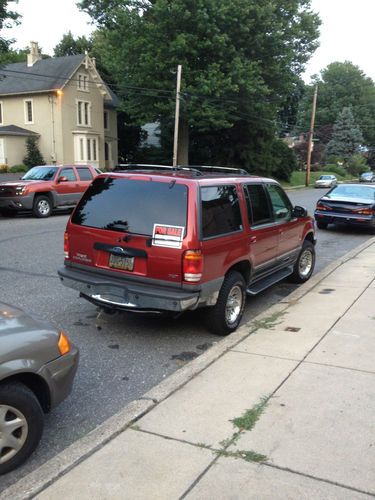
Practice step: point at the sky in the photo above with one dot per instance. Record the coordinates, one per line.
(347, 32)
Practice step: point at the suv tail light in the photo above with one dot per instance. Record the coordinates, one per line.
(192, 265)
(66, 245)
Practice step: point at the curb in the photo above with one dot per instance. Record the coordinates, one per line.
(35, 482)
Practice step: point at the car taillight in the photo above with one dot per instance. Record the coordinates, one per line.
(66, 245)
(192, 265)
(319, 206)
(365, 211)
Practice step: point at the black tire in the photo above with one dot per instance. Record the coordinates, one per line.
(216, 316)
(20, 403)
(8, 212)
(305, 263)
(322, 225)
(42, 207)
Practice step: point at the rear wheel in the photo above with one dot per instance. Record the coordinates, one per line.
(42, 206)
(21, 425)
(304, 266)
(226, 315)
(322, 225)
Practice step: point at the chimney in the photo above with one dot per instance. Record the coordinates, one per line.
(34, 55)
(93, 60)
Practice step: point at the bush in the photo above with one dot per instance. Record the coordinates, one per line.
(18, 168)
(335, 169)
(357, 164)
(33, 155)
(4, 168)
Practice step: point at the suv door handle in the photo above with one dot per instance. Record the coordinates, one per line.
(253, 239)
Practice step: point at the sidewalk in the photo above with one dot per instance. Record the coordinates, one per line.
(282, 408)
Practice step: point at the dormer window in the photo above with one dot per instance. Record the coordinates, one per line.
(83, 82)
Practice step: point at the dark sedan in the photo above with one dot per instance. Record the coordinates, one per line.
(349, 204)
(37, 367)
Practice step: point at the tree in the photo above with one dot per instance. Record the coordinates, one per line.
(340, 85)
(33, 155)
(240, 61)
(7, 19)
(346, 137)
(69, 46)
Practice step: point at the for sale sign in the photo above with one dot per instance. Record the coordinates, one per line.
(165, 235)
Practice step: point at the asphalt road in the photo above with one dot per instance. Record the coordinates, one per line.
(122, 356)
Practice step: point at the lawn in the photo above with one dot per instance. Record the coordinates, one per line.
(299, 178)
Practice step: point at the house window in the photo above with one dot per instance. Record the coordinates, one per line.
(83, 82)
(84, 113)
(29, 115)
(106, 120)
(86, 148)
(1, 112)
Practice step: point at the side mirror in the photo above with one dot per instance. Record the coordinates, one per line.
(299, 212)
(62, 179)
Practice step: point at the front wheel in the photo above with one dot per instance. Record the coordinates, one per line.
(21, 425)
(305, 263)
(42, 207)
(224, 317)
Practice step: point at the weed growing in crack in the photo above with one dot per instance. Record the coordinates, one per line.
(250, 417)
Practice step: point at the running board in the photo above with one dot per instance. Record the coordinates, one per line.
(264, 283)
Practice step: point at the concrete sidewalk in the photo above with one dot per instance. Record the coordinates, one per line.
(282, 408)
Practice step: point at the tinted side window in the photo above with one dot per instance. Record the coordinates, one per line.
(258, 206)
(68, 173)
(84, 174)
(282, 207)
(220, 210)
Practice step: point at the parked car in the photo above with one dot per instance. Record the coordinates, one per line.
(326, 181)
(367, 177)
(180, 239)
(45, 188)
(37, 367)
(349, 204)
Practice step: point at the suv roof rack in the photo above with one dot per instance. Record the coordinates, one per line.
(197, 169)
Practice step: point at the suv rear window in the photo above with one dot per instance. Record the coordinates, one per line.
(131, 205)
(220, 211)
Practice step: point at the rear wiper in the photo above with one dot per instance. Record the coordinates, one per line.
(118, 225)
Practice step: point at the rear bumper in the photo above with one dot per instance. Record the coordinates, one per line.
(59, 375)
(137, 296)
(336, 218)
(17, 202)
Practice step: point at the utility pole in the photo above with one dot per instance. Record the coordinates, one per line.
(177, 115)
(311, 133)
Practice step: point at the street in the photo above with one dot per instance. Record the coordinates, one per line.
(122, 355)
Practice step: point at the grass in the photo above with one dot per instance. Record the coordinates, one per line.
(299, 178)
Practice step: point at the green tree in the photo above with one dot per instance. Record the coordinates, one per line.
(240, 61)
(70, 46)
(340, 85)
(7, 19)
(346, 137)
(33, 155)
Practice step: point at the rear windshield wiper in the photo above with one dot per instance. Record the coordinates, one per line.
(118, 225)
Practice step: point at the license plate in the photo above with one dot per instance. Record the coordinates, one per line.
(119, 262)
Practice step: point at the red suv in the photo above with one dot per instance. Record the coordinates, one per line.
(46, 187)
(176, 239)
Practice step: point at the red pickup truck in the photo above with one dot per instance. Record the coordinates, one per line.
(45, 188)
